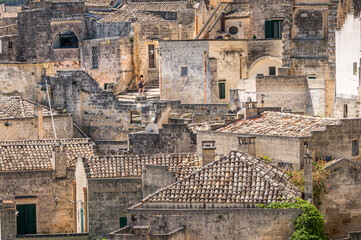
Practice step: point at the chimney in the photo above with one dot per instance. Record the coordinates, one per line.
(59, 161)
(307, 161)
(247, 144)
(208, 152)
(38, 111)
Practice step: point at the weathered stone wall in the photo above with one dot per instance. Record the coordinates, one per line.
(172, 138)
(336, 141)
(108, 201)
(341, 205)
(102, 117)
(296, 93)
(352, 108)
(255, 224)
(22, 79)
(285, 149)
(37, 29)
(7, 220)
(44, 187)
(111, 147)
(155, 177)
(265, 10)
(107, 30)
(30, 128)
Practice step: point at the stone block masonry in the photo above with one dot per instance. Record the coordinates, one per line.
(102, 117)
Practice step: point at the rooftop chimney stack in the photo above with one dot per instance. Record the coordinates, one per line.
(59, 161)
(208, 152)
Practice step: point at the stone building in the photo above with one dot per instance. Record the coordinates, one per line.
(340, 205)
(348, 67)
(103, 117)
(22, 119)
(208, 203)
(46, 181)
(118, 182)
(305, 31)
(286, 137)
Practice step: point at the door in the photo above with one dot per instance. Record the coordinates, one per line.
(26, 219)
(82, 219)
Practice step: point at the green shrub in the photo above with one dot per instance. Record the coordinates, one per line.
(310, 225)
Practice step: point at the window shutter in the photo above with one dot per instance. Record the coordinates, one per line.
(222, 90)
(268, 29)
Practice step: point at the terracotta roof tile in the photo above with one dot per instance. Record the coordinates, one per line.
(238, 13)
(131, 165)
(37, 154)
(280, 124)
(155, 6)
(17, 107)
(131, 16)
(236, 178)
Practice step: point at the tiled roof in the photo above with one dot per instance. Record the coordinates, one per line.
(131, 165)
(13, 9)
(155, 6)
(205, 126)
(37, 154)
(280, 124)
(238, 13)
(131, 16)
(99, 3)
(17, 107)
(236, 178)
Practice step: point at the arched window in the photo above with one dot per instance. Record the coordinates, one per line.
(66, 39)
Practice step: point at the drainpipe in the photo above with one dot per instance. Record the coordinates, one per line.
(205, 77)
(160, 72)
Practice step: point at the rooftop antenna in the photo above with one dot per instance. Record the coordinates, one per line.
(51, 111)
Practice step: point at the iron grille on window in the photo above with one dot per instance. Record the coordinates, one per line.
(95, 57)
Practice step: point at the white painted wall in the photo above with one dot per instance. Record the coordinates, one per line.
(348, 46)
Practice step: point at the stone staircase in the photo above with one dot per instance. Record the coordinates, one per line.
(151, 93)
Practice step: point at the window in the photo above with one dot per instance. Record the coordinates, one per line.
(222, 90)
(122, 222)
(184, 71)
(345, 110)
(151, 56)
(355, 147)
(26, 219)
(10, 44)
(233, 30)
(355, 68)
(273, 29)
(272, 71)
(66, 39)
(95, 57)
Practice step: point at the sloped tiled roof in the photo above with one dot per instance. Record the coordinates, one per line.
(238, 13)
(280, 124)
(155, 6)
(236, 178)
(99, 3)
(131, 165)
(17, 107)
(37, 154)
(131, 16)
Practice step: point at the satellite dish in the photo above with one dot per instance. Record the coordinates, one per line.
(152, 128)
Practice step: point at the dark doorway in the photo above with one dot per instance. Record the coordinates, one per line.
(26, 219)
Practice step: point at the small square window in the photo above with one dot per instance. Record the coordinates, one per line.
(354, 68)
(184, 71)
(355, 148)
(10, 44)
(272, 71)
(345, 110)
